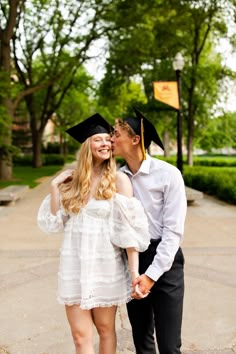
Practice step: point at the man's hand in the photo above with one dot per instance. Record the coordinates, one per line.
(141, 286)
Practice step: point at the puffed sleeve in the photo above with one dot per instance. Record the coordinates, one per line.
(48, 222)
(129, 224)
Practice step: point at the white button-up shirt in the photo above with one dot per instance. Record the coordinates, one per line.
(160, 188)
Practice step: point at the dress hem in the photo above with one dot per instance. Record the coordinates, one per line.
(99, 304)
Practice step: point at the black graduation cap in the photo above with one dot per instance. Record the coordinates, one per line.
(143, 127)
(95, 124)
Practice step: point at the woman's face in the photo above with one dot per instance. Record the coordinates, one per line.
(100, 146)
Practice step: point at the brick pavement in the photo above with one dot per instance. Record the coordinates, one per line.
(31, 321)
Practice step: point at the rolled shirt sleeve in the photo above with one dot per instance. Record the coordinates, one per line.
(160, 188)
(174, 213)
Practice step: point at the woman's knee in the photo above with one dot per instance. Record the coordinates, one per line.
(104, 321)
(81, 338)
(81, 324)
(105, 329)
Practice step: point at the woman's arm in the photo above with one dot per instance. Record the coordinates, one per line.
(133, 262)
(125, 188)
(54, 189)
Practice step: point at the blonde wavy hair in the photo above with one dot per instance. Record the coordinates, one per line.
(75, 192)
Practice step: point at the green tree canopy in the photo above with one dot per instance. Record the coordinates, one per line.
(146, 37)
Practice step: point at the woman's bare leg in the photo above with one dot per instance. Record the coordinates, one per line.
(104, 320)
(81, 324)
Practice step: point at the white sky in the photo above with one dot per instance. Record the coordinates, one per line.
(95, 66)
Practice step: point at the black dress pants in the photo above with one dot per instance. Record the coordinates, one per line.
(161, 311)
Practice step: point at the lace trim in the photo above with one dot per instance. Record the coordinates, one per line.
(98, 304)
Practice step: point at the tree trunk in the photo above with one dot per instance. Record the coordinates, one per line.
(61, 144)
(190, 136)
(37, 156)
(5, 67)
(6, 154)
(5, 169)
(6, 140)
(166, 140)
(190, 121)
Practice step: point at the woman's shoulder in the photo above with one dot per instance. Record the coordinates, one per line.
(123, 184)
(121, 176)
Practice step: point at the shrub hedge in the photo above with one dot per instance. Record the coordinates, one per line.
(215, 161)
(47, 159)
(217, 181)
(214, 175)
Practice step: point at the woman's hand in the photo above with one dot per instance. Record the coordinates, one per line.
(63, 177)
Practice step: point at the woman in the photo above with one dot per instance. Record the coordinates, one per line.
(93, 205)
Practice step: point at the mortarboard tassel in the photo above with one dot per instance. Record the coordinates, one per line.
(142, 140)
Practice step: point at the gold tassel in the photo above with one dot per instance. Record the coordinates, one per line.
(142, 140)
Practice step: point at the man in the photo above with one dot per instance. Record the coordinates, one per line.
(160, 188)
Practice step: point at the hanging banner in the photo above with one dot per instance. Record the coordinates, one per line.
(167, 92)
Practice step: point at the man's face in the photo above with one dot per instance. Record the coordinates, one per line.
(121, 142)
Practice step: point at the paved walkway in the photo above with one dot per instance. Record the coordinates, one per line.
(31, 321)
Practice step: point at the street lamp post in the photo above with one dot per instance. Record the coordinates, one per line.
(178, 64)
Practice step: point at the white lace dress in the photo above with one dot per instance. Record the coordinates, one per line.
(93, 269)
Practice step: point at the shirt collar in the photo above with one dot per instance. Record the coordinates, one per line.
(144, 168)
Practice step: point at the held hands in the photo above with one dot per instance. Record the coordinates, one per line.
(141, 286)
(63, 177)
(136, 293)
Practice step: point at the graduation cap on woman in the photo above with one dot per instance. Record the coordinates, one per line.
(143, 127)
(95, 124)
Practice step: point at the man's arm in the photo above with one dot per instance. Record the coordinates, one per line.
(174, 213)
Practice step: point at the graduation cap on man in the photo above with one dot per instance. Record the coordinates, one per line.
(143, 127)
(95, 124)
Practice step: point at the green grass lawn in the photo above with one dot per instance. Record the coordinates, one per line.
(27, 175)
